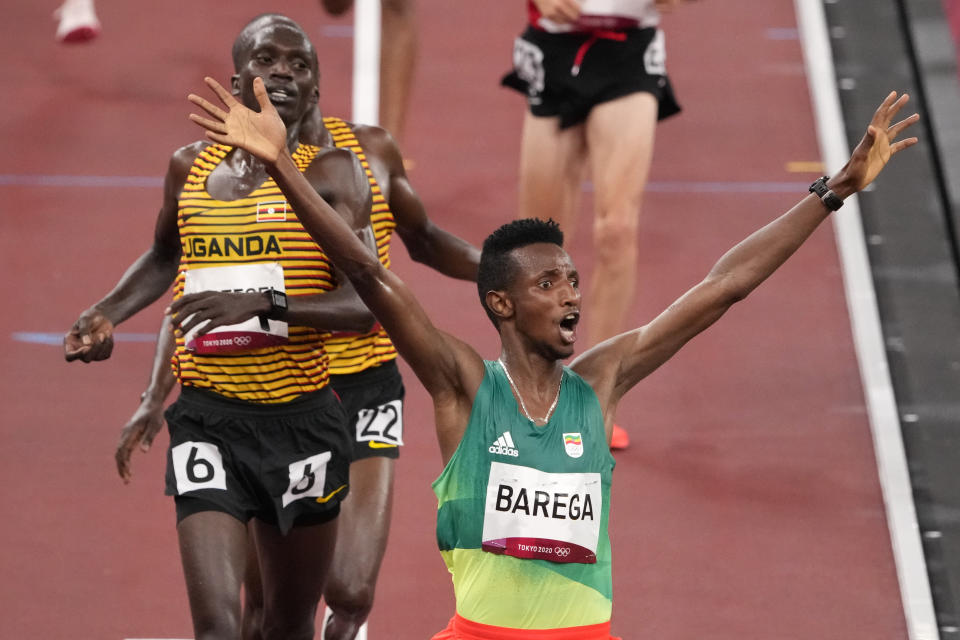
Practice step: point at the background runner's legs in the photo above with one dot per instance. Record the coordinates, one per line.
(546, 154)
(620, 135)
(365, 519)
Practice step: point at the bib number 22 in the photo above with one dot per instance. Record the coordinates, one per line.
(381, 424)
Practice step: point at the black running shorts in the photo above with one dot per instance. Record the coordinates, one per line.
(567, 74)
(286, 464)
(373, 400)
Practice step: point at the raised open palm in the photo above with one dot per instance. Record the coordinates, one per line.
(262, 134)
(879, 143)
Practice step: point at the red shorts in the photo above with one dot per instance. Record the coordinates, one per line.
(463, 629)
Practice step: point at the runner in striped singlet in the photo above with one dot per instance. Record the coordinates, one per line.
(257, 435)
(525, 489)
(363, 372)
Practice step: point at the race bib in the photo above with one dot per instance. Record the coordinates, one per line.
(198, 465)
(528, 63)
(655, 57)
(613, 15)
(381, 426)
(250, 334)
(548, 516)
(307, 478)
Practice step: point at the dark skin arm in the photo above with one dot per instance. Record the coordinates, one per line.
(338, 310)
(615, 366)
(338, 175)
(427, 243)
(91, 336)
(450, 370)
(147, 420)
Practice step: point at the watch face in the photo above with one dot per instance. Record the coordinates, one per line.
(819, 187)
(278, 299)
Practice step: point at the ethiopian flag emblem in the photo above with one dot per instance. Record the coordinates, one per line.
(573, 444)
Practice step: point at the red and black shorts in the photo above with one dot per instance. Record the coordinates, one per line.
(286, 464)
(373, 401)
(567, 74)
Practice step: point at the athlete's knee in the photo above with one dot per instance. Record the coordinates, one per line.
(222, 626)
(337, 7)
(341, 625)
(615, 240)
(350, 601)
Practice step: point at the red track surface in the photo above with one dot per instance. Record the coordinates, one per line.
(748, 506)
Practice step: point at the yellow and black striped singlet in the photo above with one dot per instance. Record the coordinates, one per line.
(215, 233)
(352, 352)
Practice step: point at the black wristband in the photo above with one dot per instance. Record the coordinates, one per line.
(829, 199)
(278, 304)
(278, 308)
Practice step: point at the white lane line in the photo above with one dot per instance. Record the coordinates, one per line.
(868, 338)
(366, 62)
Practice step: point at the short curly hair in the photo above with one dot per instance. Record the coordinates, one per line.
(497, 268)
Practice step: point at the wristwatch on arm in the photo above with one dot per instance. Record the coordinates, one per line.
(829, 199)
(278, 307)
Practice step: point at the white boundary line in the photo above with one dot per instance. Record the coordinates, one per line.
(366, 62)
(868, 339)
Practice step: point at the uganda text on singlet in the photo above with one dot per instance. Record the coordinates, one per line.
(523, 510)
(356, 352)
(249, 242)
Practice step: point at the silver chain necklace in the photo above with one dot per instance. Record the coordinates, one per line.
(523, 405)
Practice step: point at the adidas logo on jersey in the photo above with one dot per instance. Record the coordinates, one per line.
(504, 446)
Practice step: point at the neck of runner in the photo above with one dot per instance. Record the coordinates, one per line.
(523, 405)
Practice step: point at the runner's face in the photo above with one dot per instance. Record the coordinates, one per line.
(282, 56)
(546, 294)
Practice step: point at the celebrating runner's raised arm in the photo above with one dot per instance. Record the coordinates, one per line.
(447, 367)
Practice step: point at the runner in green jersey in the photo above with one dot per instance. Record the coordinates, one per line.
(523, 510)
(510, 501)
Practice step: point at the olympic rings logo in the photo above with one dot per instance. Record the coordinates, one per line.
(242, 341)
(562, 552)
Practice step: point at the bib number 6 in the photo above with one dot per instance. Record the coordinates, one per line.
(198, 465)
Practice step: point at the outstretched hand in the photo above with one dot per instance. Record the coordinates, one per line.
(559, 11)
(214, 309)
(90, 338)
(140, 431)
(262, 134)
(878, 145)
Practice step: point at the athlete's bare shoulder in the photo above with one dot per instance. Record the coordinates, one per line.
(332, 163)
(182, 159)
(336, 174)
(188, 152)
(368, 133)
(599, 367)
(378, 142)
